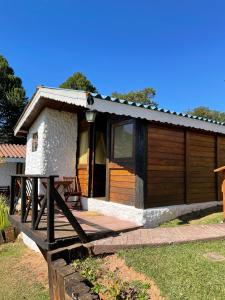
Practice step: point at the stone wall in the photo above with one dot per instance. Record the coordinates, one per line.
(57, 144)
(151, 217)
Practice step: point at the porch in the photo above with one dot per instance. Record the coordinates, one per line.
(51, 224)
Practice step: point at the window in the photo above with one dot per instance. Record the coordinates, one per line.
(123, 134)
(83, 148)
(34, 142)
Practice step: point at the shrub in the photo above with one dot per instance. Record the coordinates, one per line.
(4, 210)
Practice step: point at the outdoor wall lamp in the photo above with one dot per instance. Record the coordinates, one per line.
(90, 116)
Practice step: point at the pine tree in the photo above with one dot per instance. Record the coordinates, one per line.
(12, 102)
(78, 81)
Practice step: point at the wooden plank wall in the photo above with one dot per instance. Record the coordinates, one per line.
(166, 165)
(82, 174)
(201, 183)
(180, 166)
(220, 162)
(121, 184)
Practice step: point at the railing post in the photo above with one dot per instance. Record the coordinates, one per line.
(12, 195)
(34, 196)
(23, 199)
(50, 210)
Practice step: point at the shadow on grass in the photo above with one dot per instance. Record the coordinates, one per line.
(188, 218)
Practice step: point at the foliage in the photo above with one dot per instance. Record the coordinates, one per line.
(12, 101)
(145, 95)
(4, 221)
(78, 81)
(211, 215)
(109, 284)
(208, 113)
(182, 271)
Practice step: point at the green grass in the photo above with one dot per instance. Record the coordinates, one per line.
(4, 222)
(207, 216)
(181, 271)
(17, 281)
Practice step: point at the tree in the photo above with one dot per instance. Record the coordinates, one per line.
(12, 102)
(78, 81)
(145, 96)
(208, 113)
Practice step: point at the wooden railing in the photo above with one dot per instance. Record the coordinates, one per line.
(38, 205)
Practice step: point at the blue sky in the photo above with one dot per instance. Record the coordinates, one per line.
(177, 47)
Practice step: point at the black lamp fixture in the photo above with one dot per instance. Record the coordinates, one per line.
(90, 114)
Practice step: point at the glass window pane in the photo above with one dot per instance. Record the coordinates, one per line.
(83, 148)
(123, 141)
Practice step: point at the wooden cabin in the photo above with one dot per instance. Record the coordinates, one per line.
(134, 161)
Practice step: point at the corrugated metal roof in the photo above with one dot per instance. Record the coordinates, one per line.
(12, 151)
(151, 107)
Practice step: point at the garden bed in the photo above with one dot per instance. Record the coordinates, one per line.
(111, 279)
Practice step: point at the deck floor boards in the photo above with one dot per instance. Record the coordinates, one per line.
(94, 224)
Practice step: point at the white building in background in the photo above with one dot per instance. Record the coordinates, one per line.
(12, 161)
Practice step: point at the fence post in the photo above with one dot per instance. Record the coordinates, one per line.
(50, 210)
(34, 201)
(12, 195)
(23, 199)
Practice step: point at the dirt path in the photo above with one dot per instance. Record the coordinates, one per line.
(36, 262)
(116, 264)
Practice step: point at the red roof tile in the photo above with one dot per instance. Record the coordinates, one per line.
(12, 151)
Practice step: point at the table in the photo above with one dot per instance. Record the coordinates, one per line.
(59, 183)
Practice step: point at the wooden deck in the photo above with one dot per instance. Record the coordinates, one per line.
(94, 224)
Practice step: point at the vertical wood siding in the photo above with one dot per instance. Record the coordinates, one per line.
(166, 165)
(180, 166)
(201, 186)
(220, 162)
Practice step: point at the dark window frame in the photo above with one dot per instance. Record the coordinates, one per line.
(34, 141)
(122, 159)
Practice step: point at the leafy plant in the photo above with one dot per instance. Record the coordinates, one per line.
(4, 221)
(108, 283)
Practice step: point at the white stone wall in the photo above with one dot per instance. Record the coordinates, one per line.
(6, 170)
(57, 144)
(151, 217)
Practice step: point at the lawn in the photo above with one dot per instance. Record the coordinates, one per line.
(186, 271)
(22, 273)
(212, 215)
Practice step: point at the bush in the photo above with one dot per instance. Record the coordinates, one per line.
(4, 210)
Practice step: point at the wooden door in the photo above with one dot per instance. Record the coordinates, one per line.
(83, 157)
(121, 167)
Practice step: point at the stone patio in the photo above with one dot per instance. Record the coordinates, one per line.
(158, 236)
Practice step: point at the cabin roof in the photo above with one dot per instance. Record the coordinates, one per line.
(45, 95)
(12, 151)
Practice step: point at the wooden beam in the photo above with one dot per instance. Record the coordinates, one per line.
(108, 153)
(34, 196)
(141, 139)
(12, 195)
(50, 210)
(23, 199)
(217, 163)
(42, 209)
(71, 218)
(187, 165)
